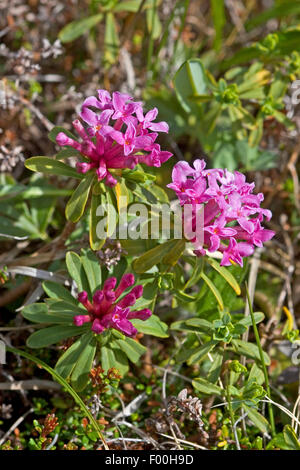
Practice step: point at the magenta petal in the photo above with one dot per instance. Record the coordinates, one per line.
(143, 141)
(127, 301)
(151, 115)
(130, 132)
(126, 281)
(79, 320)
(159, 126)
(137, 291)
(97, 327)
(89, 116)
(140, 314)
(246, 224)
(214, 243)
(126, 327)
(91, 101)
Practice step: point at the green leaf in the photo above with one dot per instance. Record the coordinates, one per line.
(35, 312)
(112, 213)
(256, 375)
(183, 297)
(200, 323)
(66, 363)
(206, 387)
(76, 271)
(108, 359)
(182, 325)
(190, 80)
(131, 348)
(249, 350)
(111, 39)
(214, 290)
(132, 5)
(290, 438)
(39, 313)
(57, 291)
(257, 419)
(76, 28)
(172, 257)
(153, 326)
(246, 321)
(226, 274)
(153, 23)
(96, 201)
(78, 200)
(154, 256)
(216, 367)
(201, 352)
(91, 265)
(53, 334)
(219, 20)
(83, 366)
(49, 166)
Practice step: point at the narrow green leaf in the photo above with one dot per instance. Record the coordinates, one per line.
(83, 366)
(258, 317)
(98, 200)
(75, 29)
(290, 438)
(49, 166)
(153, 256)
(76, 271)
(153, 326)
(76, 204)
(53, 334)
(66, 363)
(131, 348)
(226, 274)
(57, 291)
(111, 39)
(201, 352)
(219, 20)
(190, 80)
(214, 290)
(206, 387)
(257, 419)
(108, 359)
(91, 265)
(249, 350)
(39, 313)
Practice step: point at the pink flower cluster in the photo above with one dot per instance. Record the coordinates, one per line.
(108, 311)
(232, 214)
(116, 134)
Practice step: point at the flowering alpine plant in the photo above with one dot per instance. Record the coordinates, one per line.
(107, 310)
(115, 133)
(232, 214)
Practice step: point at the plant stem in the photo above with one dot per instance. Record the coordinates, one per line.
(271, 415)
(65, 384)
(228, 398)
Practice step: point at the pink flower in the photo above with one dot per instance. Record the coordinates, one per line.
(232, 214)
(115, 134)
(107, 310)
